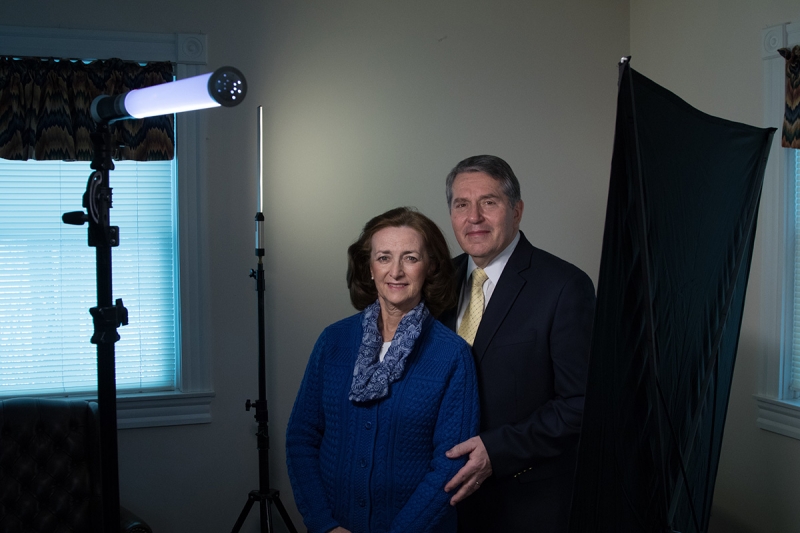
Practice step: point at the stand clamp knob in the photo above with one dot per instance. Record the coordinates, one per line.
(76, 218)
(106, 321)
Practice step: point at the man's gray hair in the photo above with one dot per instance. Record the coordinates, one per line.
(494, 167)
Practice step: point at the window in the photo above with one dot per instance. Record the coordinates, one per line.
(48, 278)
(778, 393)
(190, 400)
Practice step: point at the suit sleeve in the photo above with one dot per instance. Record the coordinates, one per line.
(555, 426)
(303, 438)
(456, 422)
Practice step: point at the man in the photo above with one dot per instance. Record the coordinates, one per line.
(529, 321)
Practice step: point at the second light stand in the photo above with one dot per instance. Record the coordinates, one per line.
(265, 496)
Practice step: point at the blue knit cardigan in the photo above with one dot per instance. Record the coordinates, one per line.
(380, 467)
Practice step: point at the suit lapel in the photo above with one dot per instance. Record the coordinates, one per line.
(505, 293)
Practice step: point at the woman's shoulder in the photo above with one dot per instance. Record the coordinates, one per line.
(338, 343)
(444, 339)
(445, 334)
(443, 354)
(347, 322)
(350, 325)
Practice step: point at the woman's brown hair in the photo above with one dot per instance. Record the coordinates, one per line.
(439, 290)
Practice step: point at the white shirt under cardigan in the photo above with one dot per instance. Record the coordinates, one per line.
(384, 349)
(493, 271)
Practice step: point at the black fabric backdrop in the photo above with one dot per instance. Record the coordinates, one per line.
(680, 223)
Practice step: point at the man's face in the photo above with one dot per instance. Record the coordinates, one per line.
(483, 220)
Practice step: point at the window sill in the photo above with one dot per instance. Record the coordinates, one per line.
(779, 416)
(164, 409)
(154, 409)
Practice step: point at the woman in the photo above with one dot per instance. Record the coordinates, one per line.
(386, 392)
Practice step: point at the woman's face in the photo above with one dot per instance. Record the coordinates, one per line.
(398, 264)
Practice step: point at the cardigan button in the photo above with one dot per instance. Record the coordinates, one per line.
(362, 502)
(363, 463)
(368, 425)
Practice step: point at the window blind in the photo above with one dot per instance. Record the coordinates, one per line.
(48, 278)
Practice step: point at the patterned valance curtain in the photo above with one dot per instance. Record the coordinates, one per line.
(45, 109)
(790, 137)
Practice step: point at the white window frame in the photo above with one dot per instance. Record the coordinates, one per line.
(190, 403)
(778, 407)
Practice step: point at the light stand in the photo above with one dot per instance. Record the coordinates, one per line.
(225, 86)
(265, 496)
(106, 317)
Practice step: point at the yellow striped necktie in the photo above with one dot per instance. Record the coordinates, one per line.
(472, 316)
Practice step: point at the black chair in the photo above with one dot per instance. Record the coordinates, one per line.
(50, 468)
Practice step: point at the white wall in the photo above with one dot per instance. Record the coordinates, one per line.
(708, 53)
(367, 107)
(370, 105)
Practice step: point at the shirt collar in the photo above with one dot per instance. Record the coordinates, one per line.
(498, 264)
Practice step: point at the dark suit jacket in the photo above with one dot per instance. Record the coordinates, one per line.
(531, 352)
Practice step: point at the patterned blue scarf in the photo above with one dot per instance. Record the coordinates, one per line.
(372, 377)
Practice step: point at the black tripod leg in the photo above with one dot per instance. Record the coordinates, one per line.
(284, 514)
(240, 521)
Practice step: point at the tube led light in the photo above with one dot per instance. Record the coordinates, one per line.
(226, 87)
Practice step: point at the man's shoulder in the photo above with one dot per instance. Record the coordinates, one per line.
(544, 259)
(527, 259)
(527, 254)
